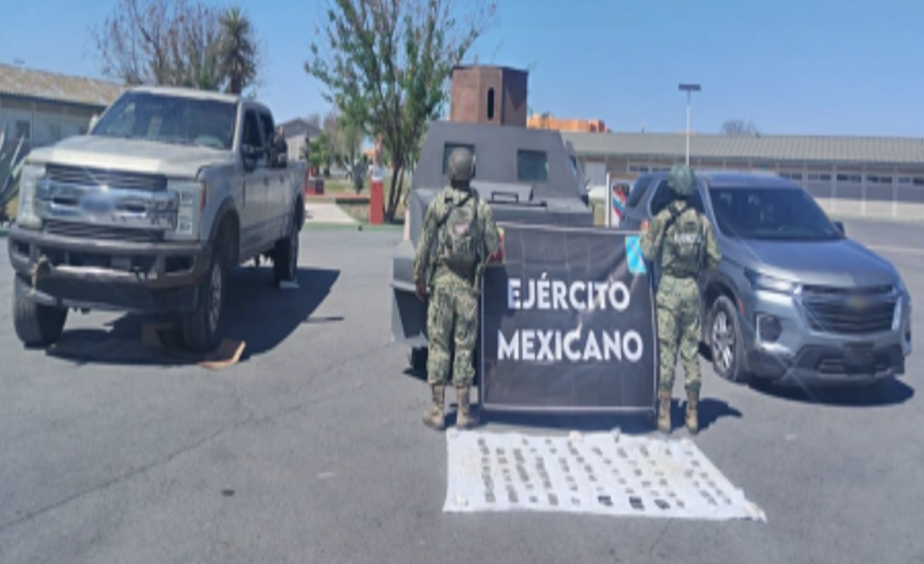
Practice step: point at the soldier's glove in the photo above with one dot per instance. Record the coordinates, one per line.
(421, 291)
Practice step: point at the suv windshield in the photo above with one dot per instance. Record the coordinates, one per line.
(170, 119)
(778, 214)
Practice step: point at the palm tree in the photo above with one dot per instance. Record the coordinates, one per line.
(238, 52)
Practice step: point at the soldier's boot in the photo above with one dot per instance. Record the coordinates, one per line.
(692, 415)
(464, 417)
(664, 411)
(434, 417)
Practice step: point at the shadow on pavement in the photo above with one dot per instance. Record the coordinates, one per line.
(256, 312)
(710, 411)
(886, 393)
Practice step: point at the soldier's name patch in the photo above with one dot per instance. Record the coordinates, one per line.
(687, 238)
(597, 473)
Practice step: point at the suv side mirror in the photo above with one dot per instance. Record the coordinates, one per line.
(840, 227)
(249, 156)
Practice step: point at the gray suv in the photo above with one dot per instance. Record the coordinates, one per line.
(794, 300)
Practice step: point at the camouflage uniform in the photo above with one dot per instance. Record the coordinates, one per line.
(682, 243)
(452, 314)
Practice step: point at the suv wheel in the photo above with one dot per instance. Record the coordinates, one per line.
(37, 325)
(285, 257)
(725, 340)
(202, 328)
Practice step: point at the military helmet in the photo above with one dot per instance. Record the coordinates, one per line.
(461, 167)
(682, 181)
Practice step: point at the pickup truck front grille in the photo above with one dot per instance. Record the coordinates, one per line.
(101, 232)
(860, 311)
(82, 176)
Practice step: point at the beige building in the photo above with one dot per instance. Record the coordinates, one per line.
(41, 108)
(862, 176)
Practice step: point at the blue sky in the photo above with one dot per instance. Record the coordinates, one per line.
(852, 67)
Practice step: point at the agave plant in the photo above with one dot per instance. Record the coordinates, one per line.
(9, 184)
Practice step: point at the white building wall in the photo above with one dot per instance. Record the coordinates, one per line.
(842, 190)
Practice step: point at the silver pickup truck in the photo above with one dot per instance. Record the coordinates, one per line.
(147, 213)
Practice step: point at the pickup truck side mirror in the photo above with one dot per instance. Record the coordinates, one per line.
(249, 156)
(840, 227)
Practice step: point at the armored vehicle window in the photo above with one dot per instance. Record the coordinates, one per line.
(532, 166)
(448, 148)
(252, 135)
(638, 190)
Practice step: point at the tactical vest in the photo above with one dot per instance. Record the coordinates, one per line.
(683, 242)
(460, 240)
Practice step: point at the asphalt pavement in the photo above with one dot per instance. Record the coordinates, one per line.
(311, 448)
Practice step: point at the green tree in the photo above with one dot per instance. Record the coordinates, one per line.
(387, 63)
(320, 155)
(238, 52)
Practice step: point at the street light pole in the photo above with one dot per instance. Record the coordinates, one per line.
(689, 89)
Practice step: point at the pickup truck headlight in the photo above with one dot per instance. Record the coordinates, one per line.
(191, 197)
(770, 284)
(28, 179)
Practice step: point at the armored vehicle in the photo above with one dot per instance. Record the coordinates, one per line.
(525, 175)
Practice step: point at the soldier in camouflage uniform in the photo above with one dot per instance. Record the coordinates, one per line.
(459, 235)
(681, 242)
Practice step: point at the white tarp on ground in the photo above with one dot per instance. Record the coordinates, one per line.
(598, 473)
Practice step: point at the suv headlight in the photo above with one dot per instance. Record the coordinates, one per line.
(28, 178)
(769, 283)
(191, 198)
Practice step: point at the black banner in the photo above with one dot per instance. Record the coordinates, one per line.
(568, 323)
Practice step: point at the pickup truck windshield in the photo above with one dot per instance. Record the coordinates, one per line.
(777, 214)
(170, 119)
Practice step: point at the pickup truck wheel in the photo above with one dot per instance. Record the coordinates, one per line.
(725, 340)
(202, 328)
(285, 257)
(37, 325)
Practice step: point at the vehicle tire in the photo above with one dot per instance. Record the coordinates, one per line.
(37, 325)
(419, 359)
(285, 257)
(201, 329)
(725, 340)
